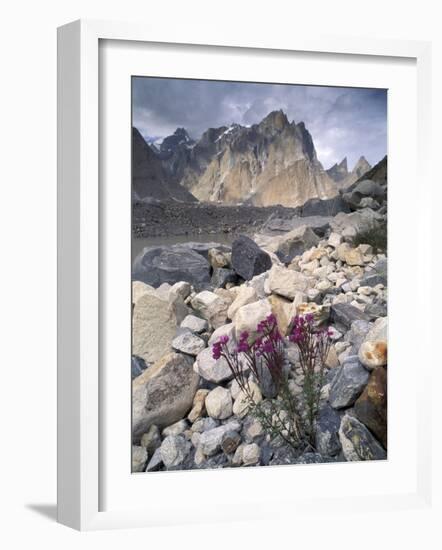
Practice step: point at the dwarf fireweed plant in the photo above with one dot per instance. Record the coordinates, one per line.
(313, 344)
(264, 356)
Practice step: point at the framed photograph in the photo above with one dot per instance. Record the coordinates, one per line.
(233, 218)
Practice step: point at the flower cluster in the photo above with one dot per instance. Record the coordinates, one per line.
(302, 325)
(263, 355)
(243, 344)
(218, 347)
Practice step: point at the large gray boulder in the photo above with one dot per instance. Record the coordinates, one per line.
(350, 224)
(348, 384)
(357, 442)
(171, 264)
(346, 314)
(248, 259)
(163, 394)
(291, 244)
(365, 189)
(327, 431)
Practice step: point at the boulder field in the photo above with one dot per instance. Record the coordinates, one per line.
(189, 412)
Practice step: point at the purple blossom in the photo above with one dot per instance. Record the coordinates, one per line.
(217, 348)
(243, 344)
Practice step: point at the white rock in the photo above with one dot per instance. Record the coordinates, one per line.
(195, 324)
(349, 255)
(189, 343)
(251, 454)
(322, 272)
(212, 307)
(212, 369)
(153, 328)
(254, 430)
(287, 282)
(151, 440)
(342, 346)
(246, 295)
(199, 457)
(234, 389)
(334, 240)
(195, 439)
(323, 285)
(309, 266)
(210, 441)
(237, 457)
(140, 289)
(182, 289)
(198, 407)
(139, 458)
(332, 360)
(219, 403)
(241, 404)
(379, 330)
(247, 317)
(174, 450)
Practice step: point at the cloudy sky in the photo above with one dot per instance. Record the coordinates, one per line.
(343, 121)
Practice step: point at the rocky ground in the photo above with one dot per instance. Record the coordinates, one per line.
(153, 218)
(188, 412)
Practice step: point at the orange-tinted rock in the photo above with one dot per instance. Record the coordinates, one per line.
(371, 406)
(373, 354)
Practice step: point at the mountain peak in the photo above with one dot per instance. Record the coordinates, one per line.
(179, 138)
(343, 164)
(275, 119)
(182, 133)
(361, 166)
(338, 172)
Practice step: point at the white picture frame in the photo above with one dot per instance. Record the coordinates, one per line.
(80, 261)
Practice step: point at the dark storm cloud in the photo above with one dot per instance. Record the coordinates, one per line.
(343, 121)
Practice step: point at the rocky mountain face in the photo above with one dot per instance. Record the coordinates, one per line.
(273, 162)
(149, 177)
(342, 177)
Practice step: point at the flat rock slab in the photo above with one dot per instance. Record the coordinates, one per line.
(154, 326)
(163, 394)
(345, 314)
(171, 264)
